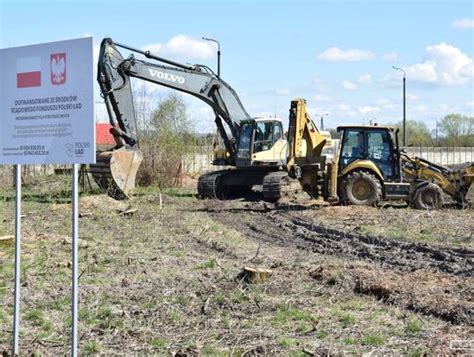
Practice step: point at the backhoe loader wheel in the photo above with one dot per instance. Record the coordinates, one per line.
(428, 197)
(361, 189)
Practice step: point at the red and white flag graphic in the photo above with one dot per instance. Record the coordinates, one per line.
(28, 72)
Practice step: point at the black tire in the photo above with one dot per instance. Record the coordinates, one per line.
(428, 197)
(361, 189)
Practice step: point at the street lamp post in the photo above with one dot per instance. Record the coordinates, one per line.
(404, 103)
(322, 120)
(218, 54)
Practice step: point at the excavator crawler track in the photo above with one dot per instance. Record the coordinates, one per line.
(209, 184)
(277, 185)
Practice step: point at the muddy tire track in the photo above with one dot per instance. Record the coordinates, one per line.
(287, 228)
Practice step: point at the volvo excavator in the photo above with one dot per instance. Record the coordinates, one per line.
(255, 148)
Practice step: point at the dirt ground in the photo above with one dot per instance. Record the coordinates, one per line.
(166, 281)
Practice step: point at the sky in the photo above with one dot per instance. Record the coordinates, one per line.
(338, 55)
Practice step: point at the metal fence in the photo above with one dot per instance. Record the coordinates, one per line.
(443, 155)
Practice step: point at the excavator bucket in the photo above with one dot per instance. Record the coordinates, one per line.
(115, 171)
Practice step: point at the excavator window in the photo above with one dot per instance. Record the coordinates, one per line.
(264, 138)
(245, 139)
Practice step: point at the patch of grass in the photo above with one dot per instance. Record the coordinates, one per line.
(286, 342)
(238, 297)
(47, 326)
(303, 327)
(355, 304)
(181, 300)
(91, 347)
(225, 321)
(348, 341)
(413, 326)
(157, 343)
(209, 350)
(218, 298)
(372, 339)
(175, 316)
(104, 312)
(346, 320)
(286, 313)
(208, 264)
(35, 316)
(322, 334)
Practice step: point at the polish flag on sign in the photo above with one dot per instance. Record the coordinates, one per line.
(28, 72)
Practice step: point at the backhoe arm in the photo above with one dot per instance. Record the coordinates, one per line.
(305, 145)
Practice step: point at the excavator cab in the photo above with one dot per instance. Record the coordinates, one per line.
(261, 142)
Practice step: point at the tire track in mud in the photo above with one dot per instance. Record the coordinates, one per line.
(286, 228)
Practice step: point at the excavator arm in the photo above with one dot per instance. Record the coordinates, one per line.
(115, 170)
(114, 73)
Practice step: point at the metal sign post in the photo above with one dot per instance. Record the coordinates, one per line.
(75, 258)
(16, 303)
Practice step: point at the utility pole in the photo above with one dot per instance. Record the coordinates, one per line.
(404, 103)
(322, 120)
(436, 133)
(218, 54)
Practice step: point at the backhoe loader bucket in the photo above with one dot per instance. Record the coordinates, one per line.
(115, 171)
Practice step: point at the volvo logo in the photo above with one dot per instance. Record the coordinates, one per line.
(166, 76)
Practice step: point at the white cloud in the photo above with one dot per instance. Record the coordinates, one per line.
(468, 70)
(367, 109)
(463, 23)
(390, 56)
(322, 98)
(443, 65)
(183, 46)
(470, 104)
(348, 85)
(335, 54)
(364, 78)
(412, 97)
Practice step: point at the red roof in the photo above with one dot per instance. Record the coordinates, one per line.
(102, 134)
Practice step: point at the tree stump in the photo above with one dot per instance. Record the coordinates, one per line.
(254, 275)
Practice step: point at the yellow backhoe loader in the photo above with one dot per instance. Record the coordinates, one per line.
(369, 167)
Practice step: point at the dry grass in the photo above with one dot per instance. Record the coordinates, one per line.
(158, 282)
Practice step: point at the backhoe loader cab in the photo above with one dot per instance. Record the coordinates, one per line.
(373, 145)
(366, 168)
(261, 142)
